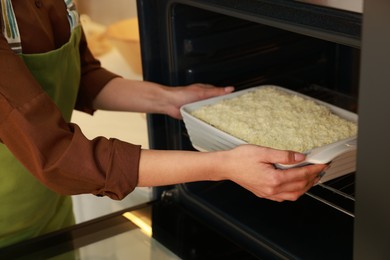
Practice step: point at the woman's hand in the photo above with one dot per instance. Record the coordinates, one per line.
(194, 92)
(148, 97)
(252, 167)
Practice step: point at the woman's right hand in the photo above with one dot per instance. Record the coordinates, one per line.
(252, 167)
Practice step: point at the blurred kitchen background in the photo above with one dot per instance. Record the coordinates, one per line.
(112, 32)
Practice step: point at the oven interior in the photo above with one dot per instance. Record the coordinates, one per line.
(213, 47)
(222, 50)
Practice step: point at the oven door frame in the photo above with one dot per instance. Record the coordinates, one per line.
(372, 212)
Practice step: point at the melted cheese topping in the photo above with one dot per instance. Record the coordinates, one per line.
(274, 118)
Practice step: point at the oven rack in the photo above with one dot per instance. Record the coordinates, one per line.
(338, 193)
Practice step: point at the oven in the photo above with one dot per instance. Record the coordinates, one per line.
(319, 48)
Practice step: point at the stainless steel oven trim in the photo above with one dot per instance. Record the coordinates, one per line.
(348, 5)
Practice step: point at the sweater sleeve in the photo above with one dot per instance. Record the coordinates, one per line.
(61, 157)
(93, 78)
(54, 151)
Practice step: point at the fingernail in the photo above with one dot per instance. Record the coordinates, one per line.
(229, 89)
(321, 174)
(299, 156)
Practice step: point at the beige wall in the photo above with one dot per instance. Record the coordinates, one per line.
(107, 11)
(130, 127)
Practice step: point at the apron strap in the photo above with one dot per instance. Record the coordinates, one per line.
(73, 15)
(10, 26)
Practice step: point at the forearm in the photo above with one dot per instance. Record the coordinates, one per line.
(132, 95)
(171, 167)
(250, 166)
(141, 96)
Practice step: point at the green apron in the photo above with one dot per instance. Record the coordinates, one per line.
(27, 208)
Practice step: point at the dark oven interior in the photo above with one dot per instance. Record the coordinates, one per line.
(212, 42)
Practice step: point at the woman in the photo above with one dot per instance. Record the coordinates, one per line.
(46, 71)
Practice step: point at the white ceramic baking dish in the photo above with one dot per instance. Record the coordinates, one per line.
(205, 137)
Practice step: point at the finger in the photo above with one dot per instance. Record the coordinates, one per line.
(285, 196)
(292, 193)
(300, 187)
(212, 92)
(282, 156)
(309, 172)
(226, 89)
(295, 182)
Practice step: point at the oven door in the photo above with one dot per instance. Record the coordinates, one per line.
(125, 234)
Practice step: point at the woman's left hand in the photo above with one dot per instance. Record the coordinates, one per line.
(191, 93)
(121, 94)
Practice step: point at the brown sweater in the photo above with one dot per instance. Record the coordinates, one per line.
(32, 127)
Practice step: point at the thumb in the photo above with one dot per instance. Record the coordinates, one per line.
(286, 157)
